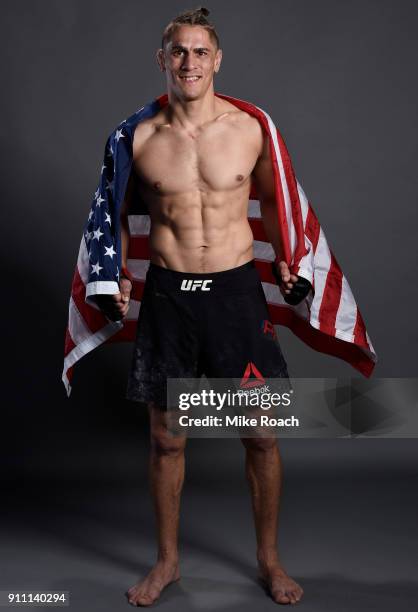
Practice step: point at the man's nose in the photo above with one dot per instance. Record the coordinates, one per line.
(188, 62)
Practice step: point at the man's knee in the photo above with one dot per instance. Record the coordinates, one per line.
(259, 444)
(163, 442)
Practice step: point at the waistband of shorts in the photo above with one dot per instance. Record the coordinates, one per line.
(239, 279)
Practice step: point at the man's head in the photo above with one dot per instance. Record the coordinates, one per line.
(190, 48)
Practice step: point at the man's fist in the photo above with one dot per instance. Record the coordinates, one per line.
(116, 306)
(292, 287)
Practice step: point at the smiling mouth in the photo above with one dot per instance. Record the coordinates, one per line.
(190, 79)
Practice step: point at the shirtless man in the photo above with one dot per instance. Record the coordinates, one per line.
(192, 164)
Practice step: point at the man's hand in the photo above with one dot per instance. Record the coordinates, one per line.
(292, 287)
(287, 279)
(116, 306)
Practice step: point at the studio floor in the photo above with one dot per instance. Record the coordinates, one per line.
(78, 517)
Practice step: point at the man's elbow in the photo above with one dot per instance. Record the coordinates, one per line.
(268, 204)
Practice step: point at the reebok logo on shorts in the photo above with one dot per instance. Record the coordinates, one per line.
(257, 377)
(192, 285)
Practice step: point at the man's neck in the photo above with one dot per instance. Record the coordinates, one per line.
(191, 113)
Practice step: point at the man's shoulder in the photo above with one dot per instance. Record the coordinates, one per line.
(241, 117)
(147, 128)
(250, 120)
(144, 118)
(252, 127)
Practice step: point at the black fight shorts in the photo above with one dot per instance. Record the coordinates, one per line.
(189, 324)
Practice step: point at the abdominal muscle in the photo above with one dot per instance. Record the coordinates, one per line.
(200, 234)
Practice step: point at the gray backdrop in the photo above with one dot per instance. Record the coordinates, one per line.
(339, 80)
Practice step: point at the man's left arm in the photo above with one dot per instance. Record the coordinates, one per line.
(264, 183)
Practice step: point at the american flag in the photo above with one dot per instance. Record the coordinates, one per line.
(328, 319)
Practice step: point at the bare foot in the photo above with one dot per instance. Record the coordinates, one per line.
(283, 589)
(146, 591)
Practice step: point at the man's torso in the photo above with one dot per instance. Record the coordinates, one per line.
(196, 185)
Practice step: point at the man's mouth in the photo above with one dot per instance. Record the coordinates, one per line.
(190, 79)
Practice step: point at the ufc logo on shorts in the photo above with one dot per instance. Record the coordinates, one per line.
(192, 285)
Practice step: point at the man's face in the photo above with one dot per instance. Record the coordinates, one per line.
(190, 53)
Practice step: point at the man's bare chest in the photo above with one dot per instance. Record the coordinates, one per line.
(219, 158)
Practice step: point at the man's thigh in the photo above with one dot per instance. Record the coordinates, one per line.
(241, 340)
(165, 346)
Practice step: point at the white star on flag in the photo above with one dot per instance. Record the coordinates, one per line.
(100, 200)
(110, 251)
(96, 268)
(119, 135)
(90, 214)
(108, 219)
(98, 233)
(97, 192)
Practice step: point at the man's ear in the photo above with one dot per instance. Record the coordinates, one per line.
(161, 59)
(218, 59)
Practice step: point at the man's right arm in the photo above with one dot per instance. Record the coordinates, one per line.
(116, 306)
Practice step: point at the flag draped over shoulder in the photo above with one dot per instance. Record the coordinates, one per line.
(328, 319)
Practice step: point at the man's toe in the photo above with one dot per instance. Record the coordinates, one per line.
(280, 596)
(297, 594)
(145, 599)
